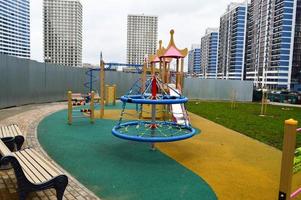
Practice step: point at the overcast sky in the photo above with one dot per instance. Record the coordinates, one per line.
(104, 24)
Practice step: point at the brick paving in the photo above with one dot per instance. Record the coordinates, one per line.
(28, 122)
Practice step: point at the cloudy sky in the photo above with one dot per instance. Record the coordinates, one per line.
(104, 24)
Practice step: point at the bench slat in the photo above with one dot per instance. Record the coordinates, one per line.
(5, 133)
(37, 165)
(54, 171)
(13, 131)
(30, 175)
(17, 129)
(1, 132)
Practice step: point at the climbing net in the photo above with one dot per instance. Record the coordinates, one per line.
(153, 130)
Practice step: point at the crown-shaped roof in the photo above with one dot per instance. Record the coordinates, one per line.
(155, 58)
(172, 51)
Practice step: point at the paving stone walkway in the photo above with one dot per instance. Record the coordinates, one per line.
(28, 120)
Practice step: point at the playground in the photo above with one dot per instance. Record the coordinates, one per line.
(154, 143)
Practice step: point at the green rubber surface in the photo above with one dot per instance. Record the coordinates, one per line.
(116, 169)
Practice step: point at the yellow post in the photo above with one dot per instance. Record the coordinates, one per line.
(115, 89)
(287, 162)
(265, 102)
(102, 88)
(92, 117)
(262, 104)
(69, 94)
(163, 70)
(107, 94)
(143, 78)
(177, 75)
(182, 73)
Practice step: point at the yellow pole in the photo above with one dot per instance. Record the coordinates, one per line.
(92, 116)
(102, 88)
(287, 162)
(107, 90)
(143, 78)
(165, 71)
(69, 107)
(262, 104)
(265, 102)
(114, 101)
(182, 73)
(177, 74)
(153, 69)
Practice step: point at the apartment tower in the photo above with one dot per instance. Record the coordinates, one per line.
(231, 52)
(63, 32)
(15, 28)
(142, 33)
(209, 53)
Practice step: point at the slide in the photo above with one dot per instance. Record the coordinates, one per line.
(178, 110)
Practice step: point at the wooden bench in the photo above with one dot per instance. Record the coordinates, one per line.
(33, 172)
(12, 131)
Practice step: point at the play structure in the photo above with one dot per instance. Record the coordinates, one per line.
(93, 78)
(107, 97)
(79, 113)
(291, 161)
(166, 118)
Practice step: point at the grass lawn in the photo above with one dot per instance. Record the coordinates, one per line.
(246, 120)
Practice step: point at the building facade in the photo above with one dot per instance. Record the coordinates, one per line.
(296, 67)
(194, 59)
(142, 33)
(271, 61)
(231, 52)
(15, 28)
(63, 32)
(209, 53)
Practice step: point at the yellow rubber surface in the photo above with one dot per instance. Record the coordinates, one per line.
(234, 165)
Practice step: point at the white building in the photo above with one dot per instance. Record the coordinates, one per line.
(15, 28)
(63, 32)
(142, 33)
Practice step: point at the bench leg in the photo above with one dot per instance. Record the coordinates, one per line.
(61, 183)
(19, 140)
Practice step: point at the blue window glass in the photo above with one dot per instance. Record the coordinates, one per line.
(286, 34)
(287, 10)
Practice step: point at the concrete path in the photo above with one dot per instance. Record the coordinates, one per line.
(28, 118)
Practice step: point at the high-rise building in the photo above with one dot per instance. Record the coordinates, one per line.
(15, 28)
(63, 32)
(142, 33)
(231, 52)
(194, 59)
(209, 53)
(270, 44)
(296, 67)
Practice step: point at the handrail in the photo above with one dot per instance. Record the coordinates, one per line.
(296, 193)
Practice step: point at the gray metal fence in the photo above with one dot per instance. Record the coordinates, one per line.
(208, 89)
(25, 81)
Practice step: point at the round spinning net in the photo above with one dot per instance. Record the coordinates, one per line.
(147, 131)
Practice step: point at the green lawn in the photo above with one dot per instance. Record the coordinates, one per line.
(246, 120)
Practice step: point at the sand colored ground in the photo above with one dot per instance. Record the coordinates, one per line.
(235, 166)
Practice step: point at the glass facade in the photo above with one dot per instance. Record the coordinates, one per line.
(231, 54)
(209, 53)
(273, 42)
(194, 61)
(15, 28)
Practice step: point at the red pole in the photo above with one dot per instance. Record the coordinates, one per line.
(154, 88)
